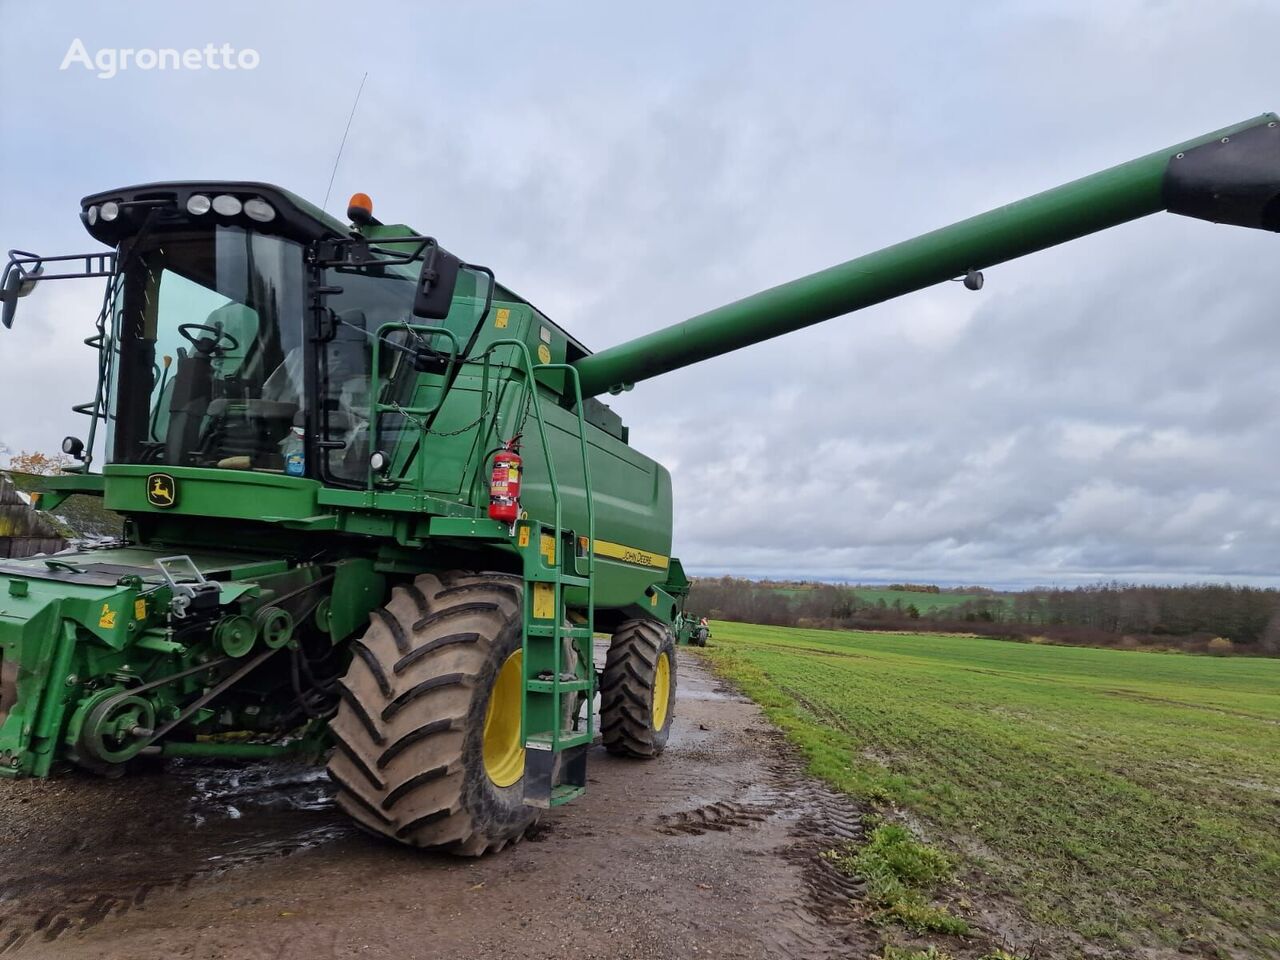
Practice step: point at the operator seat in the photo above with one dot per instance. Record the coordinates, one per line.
(241, 430)
(191, 403)
(344, 391)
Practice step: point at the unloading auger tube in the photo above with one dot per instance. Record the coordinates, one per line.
(1230, 176)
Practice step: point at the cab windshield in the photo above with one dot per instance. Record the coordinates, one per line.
(206, 365)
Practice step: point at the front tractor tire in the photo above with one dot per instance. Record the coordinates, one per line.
(428, 749)
(638, 689)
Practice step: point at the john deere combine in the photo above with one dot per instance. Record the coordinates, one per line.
(372, 502)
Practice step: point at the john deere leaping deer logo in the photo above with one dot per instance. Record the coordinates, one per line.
(162, 490)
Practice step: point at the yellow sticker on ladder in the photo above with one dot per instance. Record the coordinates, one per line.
(501, 317)
(544, 601)
(548, 548)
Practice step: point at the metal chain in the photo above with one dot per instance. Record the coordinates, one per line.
(435, 433)
(524, 416)
(453, 433)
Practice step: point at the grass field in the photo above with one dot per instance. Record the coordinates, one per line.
(1133, 798)
(926, 603)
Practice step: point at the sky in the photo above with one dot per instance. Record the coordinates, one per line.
(1104, 410)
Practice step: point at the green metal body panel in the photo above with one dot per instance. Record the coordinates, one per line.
(102, 654)
(230, 494)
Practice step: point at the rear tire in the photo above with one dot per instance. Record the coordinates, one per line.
(410, 756)
(638, 689)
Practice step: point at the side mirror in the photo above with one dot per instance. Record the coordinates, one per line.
(16, 283)
(9, 298)
(436, 282)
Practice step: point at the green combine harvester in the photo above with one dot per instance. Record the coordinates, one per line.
(374, 508)
(691, 630)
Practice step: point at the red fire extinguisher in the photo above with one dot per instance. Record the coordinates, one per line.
(504, 484)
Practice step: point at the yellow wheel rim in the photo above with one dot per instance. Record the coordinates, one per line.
(661, 691)
(503, 752)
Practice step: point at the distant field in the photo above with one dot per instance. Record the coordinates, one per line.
(1132, 797)
(924, 602)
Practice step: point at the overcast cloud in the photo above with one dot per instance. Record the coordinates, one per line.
(1105, 409)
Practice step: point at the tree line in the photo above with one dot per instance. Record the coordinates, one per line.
(1209, 617)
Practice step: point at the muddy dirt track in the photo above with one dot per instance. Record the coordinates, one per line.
(710, 851)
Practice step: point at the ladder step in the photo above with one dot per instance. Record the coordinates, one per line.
(566, 686)
(564, 793)
(551, 779)
(568, 740)
(556, 575)
(549, 630)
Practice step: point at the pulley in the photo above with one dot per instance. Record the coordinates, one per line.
(236, 635)
(275, 626)
(117, 725)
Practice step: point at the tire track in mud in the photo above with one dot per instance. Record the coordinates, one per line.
(234, 817)
(723, 815)
(826, 819)
(834, 905)
(797, 818)
(821, 819)
(82, 912)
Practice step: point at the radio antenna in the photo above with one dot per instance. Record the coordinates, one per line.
(344, 140)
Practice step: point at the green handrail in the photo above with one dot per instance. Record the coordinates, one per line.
(528, 368)
(377, 408)
(591, 552)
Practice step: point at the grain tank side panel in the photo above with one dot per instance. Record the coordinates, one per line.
(633, 506)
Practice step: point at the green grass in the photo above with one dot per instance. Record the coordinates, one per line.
(901, 874)
(933, 953)
(902, 953)
(926, 603)
(1130, 797)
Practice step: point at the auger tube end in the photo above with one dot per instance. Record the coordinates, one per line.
(1233, 180)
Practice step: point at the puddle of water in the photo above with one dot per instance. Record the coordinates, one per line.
(267, 786)
(79, 848)
(702, 691)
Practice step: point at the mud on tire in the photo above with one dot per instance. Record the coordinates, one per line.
(408, 761)
(632, 723)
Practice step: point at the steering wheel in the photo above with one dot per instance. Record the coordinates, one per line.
(222, 341)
